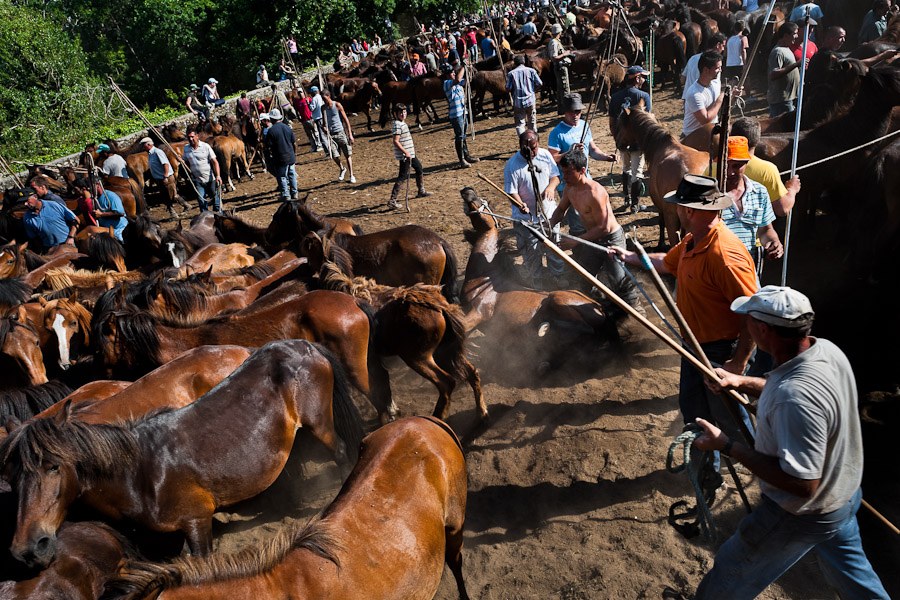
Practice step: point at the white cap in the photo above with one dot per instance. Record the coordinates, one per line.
(275, 114)
(211, 80)
(263, 116)
(775, 305)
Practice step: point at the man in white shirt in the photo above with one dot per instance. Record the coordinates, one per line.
(204, 170)
(704, 97)
(113, 164)
(691, 69)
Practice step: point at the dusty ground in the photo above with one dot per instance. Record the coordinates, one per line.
(568, 492)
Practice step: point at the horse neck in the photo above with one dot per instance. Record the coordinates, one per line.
(868, 118)
(484, 251)
(644, 132)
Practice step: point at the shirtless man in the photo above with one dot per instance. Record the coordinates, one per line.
(592, 202)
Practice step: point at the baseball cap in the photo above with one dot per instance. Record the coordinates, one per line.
(635, 70)
(314, 89)
(103, 148)
(212, 80)
(775, 305)
(146, 140)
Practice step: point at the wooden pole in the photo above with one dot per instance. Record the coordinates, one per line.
(322, 88)
(9, 170)
(500, 189)
(759, 37)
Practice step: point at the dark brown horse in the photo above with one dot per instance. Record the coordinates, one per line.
(417, 324)
(405, 502)
(88, 554)
(199, 457)
(400, 256)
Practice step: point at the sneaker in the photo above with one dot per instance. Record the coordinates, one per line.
(394, 204)
(343, 172)
(352, 179)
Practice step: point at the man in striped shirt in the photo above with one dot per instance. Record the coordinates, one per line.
(455, 90)
(405, 152)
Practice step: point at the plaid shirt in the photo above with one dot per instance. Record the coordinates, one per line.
(456, 98)
(757, 213)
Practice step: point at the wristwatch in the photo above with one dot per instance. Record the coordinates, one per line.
(727, 449)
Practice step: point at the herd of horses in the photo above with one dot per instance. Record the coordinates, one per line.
(154, 381)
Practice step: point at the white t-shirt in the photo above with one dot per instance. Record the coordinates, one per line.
(733, 48)
(517, 180)
(691, 74)
(699, 97)
(115, 165)
(199, 160)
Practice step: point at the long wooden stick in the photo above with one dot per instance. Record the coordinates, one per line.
(9, 170)
(500, 189)
(759, 37)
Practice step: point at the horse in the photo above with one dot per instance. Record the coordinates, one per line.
(70, 323)
(132, 342)
(497, 303)
(17, 261)
(177, 383)
(88, 554)
(489, 81)
(361, 100)
(200, 457)
(20, 353)
(251, 133)
(667, 159)
(363, 547)
(230, 150)
(417, 324)
(25, 402)
(671, 57)
(13, 292)
(399, 256)
(229, 229)
(101, 248)
(312, 221)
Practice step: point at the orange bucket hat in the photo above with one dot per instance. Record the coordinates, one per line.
(738, 148)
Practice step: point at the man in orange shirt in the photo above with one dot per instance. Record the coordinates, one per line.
(713, 268)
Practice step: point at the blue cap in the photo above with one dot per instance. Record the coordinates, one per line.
(636, 70)
(103, 148)
(314, 89)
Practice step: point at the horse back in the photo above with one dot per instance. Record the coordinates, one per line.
(400, 256)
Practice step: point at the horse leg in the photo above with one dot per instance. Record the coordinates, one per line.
(381, 397)
(453, 558)
(323, 430)
(443, 381)
(199, 534)
(474, 380)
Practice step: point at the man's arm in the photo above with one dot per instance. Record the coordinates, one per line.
(550, 190)
(779, 73)
(767, 468)
(770, 242)
(215, 163)
(738, 363)
(400, 147)
(633, 258)
(707, 114)
(561, 209)
(597, 154)
(783, 205)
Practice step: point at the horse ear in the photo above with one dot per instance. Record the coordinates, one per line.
(74, 297)
(20, 314)
(207, 275)
(22, 247)
(62, 417)
(110, 283)
(42, 301)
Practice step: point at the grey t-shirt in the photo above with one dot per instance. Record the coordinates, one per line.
(808, 418)
(785, 88)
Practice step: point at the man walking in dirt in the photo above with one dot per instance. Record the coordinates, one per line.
(162, 173)
(281, 148)
(522, 82)
(405, 152)
(455, 90)
(808, 456)
(204, 171)
(341, 142)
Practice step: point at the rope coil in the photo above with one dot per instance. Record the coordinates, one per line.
(704, 521)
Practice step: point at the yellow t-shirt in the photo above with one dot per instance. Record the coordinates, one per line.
(762, 172)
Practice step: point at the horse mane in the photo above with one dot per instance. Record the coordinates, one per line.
(7, 324)
(336, 253)
(191, 241)
(67, 277)
(137, 331)
(310, 218)
(25, 402)
(32, 260)
(82, 315)
(358, 287)
(13, 292)
(185, 302)
(140, 579)
(647, 129)
(141, 224)
(93, 450)
(107, 251)
(259, 271)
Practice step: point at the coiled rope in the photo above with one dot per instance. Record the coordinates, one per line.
(704, 521)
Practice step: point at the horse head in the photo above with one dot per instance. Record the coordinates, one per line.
(473, 205)
(66, 319)
(20, 343)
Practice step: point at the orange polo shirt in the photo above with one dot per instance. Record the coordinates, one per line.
(710, 275)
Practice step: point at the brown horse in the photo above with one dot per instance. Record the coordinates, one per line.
(20, 353)
(417, 324)
(69, 323)
(199, 457)
(17, 261)
(88, 554)
(230, 151)
(134, 342)
(177, 383)
(404, 502)
(496, 303)
(312, 221)
(667, 160)
(360, 101)
(400, 256)
(671, 57)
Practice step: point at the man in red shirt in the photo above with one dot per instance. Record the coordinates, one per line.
(811, 48)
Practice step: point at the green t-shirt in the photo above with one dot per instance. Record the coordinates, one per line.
(785, 88)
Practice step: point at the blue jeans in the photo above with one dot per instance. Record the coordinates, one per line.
(780, 108)
(287, 177)
(459, 126)
(210, 189)
(770, 540)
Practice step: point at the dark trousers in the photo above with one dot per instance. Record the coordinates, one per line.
(403, 176)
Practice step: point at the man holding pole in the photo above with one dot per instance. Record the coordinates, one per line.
(807, 455)
(713, 268)
(454, 89)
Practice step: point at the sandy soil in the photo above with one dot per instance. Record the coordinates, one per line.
(568, 492)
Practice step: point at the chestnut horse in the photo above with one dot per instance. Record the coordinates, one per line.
(396, 521)
(667, 160)
(199, 457)
(20, 353)
(399, 256)
(69, 323)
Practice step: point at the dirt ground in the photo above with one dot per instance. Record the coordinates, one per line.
(568, 491)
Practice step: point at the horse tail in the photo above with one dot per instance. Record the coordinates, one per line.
(705, 34)
(451, 354)
(140, 205)
(23, 403)
(347, 420)
(450, 289)
(371, 315)
(679, 43)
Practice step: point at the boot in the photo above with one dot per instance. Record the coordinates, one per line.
(637, 188)
(421, 187)
(466, 155)
(395, 193)
(459, 153)
(626, 189)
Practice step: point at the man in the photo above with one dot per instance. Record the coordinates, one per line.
(713, 268)
(751, 216)
(341, 140)
(784, 74)
(205, 173)
(529, 28)
(704, 98)
(50, 222)
(568, 133)
(454, 89)
(736, 52)
(162, 173)
(262, 77)
(405, 153)
(808, 456)
(211, 93)
(302, 104)
(799, 12)
(41, 186)
(280, 146)
(472, 44)
(242, 106)
(488, 46)
(782, 195)
(109, 211)
(592, 202)
(518, 183)
(430, 58)
(280, 101)
(193, 103)
(561, 61)
(875, 21)
(632, 157)
(811, 48)
(691, 72)
(113, 163)
(833, 38)
(522, 82)
(315, 106)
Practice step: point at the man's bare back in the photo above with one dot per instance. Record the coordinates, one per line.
(591, 201)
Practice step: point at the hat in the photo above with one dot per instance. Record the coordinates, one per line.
(193, 86)
(24, 194)
(264, 116)
(314, 89)
(699, 192)
(146, 140)
(572, 102)
(262, 66)
(738, 148)
(275, 114)
(103, 148)
(557, 28)
(446, 69)
(635, 70)
(415, 56)
(212, 80)
(802, 21)
(775, 305)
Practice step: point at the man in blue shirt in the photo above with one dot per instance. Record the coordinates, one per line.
(41, 187)
(109, 211)
(161, 172)
(529, 28)
(522, 82)
(454, 89)
(50, 222)
(632, 156)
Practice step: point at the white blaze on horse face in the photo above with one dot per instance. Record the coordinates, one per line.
(170, 246)
(59, 327)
